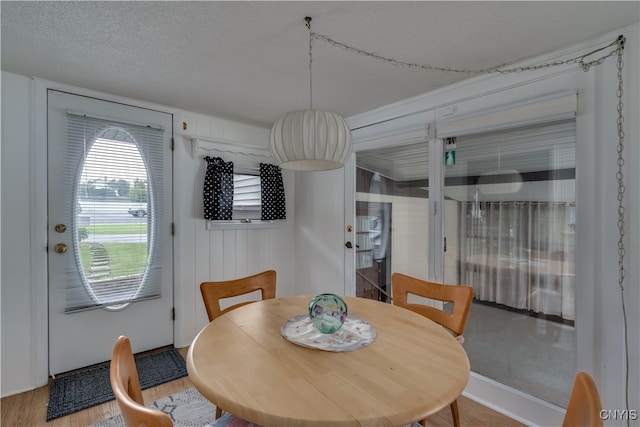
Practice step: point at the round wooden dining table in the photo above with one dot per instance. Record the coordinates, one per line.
(242, 363)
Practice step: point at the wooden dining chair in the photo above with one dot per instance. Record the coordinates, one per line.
(213, 292)
(126, 389)
(584, 403)
(461, 296)
(128, 393)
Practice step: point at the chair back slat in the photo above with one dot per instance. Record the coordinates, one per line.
(213, 292)
(461, 296)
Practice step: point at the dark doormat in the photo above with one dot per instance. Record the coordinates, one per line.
(73, 391)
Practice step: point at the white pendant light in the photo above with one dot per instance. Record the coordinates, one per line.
(500, 181)
(310, 140)
(506, 181)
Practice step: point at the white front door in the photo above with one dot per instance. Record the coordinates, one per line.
(325, 234)
(110, 247)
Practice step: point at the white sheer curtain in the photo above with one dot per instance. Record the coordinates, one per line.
(553, 259)
(520, 254)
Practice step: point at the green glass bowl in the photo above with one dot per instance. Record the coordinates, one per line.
(327, 312)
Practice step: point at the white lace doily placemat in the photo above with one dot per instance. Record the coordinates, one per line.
(354, 334)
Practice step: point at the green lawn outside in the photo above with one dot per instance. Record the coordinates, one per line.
(117, 228)
(124, 259)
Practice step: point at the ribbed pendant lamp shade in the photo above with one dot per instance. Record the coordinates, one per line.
(310, 140)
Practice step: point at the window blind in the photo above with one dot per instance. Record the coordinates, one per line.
(117, 190)
(246, 197)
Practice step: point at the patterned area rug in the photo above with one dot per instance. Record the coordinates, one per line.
(77, 390)
(187, 408)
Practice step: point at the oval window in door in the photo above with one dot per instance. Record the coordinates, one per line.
(113, 221)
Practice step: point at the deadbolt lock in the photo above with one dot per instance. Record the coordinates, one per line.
(349, 228)
(60, 228)
(60, 248)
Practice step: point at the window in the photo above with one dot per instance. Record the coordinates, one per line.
(246, 198)
(117, 190)
(242, 200)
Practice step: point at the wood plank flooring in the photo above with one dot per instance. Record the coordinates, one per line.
(29, 409)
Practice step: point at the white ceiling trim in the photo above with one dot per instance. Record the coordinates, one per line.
(547, 108)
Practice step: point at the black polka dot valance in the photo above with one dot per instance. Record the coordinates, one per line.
(218, 189)
(273, 203)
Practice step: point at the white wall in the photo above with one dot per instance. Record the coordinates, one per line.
(199, 254)
(599, 324)
(17, 309)
(599, 252)
(319, 233)
(202, 255)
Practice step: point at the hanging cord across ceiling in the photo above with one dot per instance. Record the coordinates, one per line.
(616, 48)
(500, 69)
(621, 215)
(308, 21)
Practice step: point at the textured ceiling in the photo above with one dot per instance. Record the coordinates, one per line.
(249, 60)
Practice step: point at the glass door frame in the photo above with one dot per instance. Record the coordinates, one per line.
(479, 385)
(436, 206)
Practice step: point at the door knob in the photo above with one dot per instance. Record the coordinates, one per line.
(60, 248)
(349, 245)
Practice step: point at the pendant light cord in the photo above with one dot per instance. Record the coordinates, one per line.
(308, 20)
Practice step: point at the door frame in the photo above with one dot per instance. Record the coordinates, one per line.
(38, 190)
(137, 318)
(350, 226)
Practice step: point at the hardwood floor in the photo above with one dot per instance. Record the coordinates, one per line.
(29, 409)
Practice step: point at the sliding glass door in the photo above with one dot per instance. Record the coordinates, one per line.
(509, 223)
(507, 227)
(392, 216)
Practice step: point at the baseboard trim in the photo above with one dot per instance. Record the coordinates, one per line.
(513, 403)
